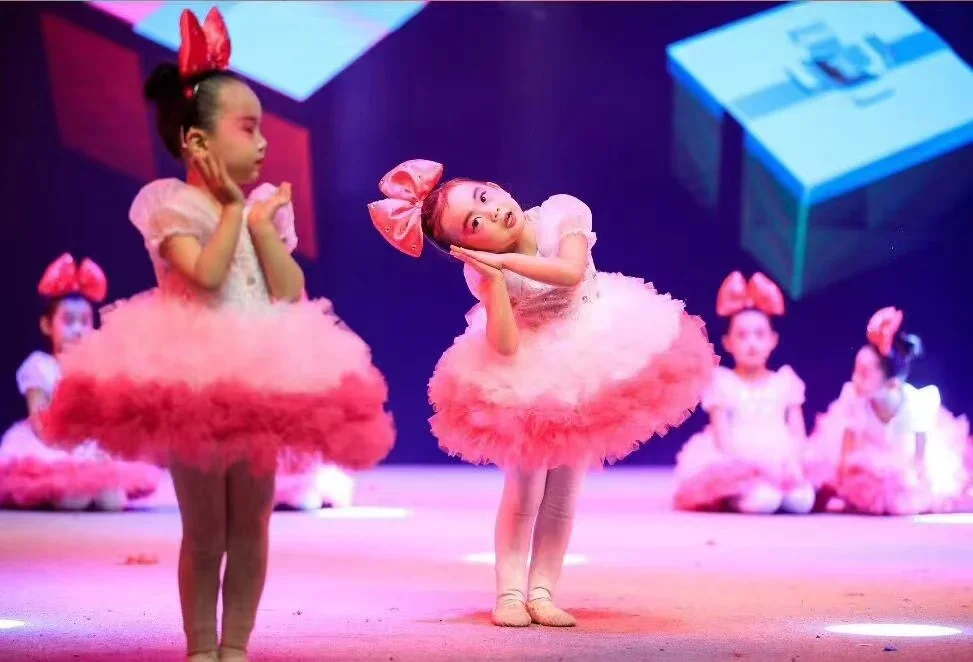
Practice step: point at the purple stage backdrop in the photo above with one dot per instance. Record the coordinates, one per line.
(542, 98)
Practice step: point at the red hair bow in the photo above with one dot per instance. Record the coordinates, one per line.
(761, 293)
(883, 327)
(64, 277)
(399, 216)
(203, 47)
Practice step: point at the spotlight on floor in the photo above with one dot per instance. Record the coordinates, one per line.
(487, 558)
(10, 624)
(363, 512)
(893, 630)
(944, 518)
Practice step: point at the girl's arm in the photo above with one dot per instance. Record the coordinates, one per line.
(206, 265)
(795, 423)
(565, 270)
(502, 332)
(719, 420)
(37, 401)
(285, 278)
(846, 443)
(921, 453)
(501, 328)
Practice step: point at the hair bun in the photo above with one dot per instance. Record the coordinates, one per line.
(164, 83)
(910, 345)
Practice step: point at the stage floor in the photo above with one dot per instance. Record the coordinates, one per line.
(407, 576)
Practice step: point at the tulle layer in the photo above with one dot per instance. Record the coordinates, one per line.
(707, 477)
(579, 392)
(28, 482)
(166, 380)
(880, 476)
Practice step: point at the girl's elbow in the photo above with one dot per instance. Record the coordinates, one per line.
(574, 277)
(207, 279)
(508, 348)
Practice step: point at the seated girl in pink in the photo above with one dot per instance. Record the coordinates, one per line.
(748, 458)
(560, 369)
(885, 447)
(34, 474)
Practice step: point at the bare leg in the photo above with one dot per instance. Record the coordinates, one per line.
(551, 536)
(250, 502)
(202, 506)
(522, 493)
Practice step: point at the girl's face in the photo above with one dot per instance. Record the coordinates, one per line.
(750, 340)
(867, 377)
(236, 138)
(72, 320)
(481, 216)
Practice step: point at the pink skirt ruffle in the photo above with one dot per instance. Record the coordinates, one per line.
(167, 380)
(33, 475)
(579, 392)
(708, 477)
(879, 481)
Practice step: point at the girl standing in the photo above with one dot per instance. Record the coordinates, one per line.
(225, 364)
(561, 368)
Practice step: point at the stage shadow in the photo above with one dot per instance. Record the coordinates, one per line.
(607, 621)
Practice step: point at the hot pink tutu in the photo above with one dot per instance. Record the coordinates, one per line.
(167, 379)
(33, 475)
(600, 368)
(760, 448)
(211, 377)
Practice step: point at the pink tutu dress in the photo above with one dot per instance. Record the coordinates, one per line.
(878, 474)
(213, 377)
(760, 449)
(33, 474)
(304, 482)
(601, 367)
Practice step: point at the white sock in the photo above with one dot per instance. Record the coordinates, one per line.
(799, 501)
(761, 500)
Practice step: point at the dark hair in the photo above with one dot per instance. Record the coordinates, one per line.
(906, 347)
(176, 110)
(432, 212)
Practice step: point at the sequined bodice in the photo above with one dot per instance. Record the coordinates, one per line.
(244, 287)
(168, 207)
(758, 403)
(537, 303)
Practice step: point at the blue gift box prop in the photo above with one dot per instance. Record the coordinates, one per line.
(855, 129)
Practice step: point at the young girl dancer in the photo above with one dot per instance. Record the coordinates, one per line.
(224, 364)
(33, 474)
(885, 447)
(561, 368)
(748, 458)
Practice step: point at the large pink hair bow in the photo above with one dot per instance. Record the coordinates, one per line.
(398, 216)
(203, 47)
(883, 327)
(64, 277)
(761, 293)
